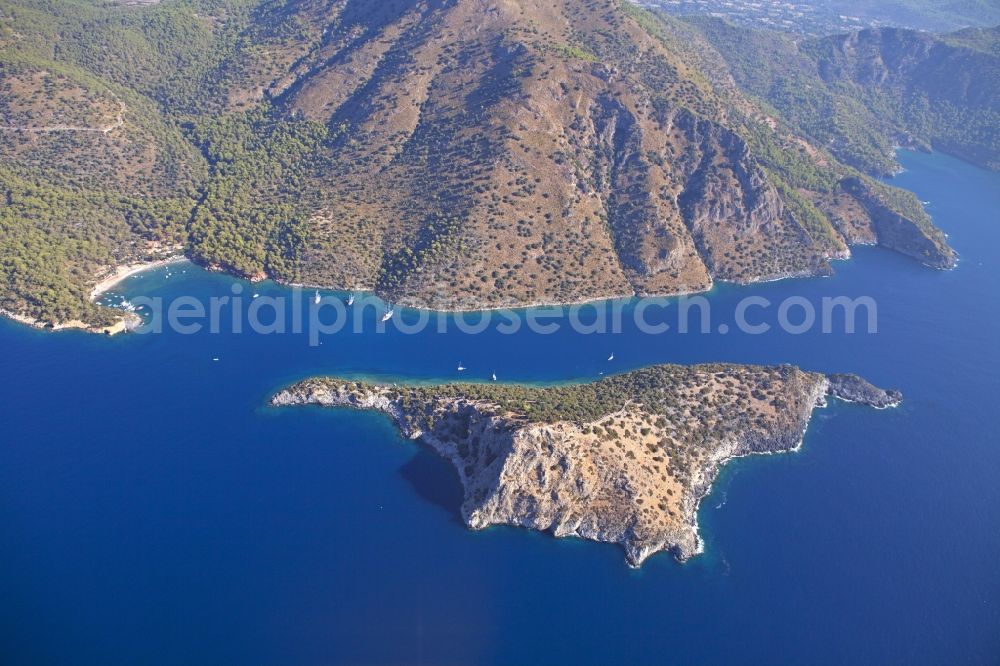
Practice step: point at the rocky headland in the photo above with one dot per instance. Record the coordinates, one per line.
(623, 460)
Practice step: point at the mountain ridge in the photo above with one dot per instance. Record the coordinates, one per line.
(861, 94)
(457, 154)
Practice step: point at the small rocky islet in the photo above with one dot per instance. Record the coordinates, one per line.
(624, 460)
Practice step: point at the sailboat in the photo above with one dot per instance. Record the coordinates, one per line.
(317, 299)
(612, 357)
(388, 315)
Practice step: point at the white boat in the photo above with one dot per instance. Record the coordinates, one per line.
(494, 376)
(388, 315)
(350, 301)
(611, 358)
(317, 298)
(461, 368)
(256, 295)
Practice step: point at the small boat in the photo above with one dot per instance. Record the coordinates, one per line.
(611, 358)
(317, 298)
(256, 295)
(388, 315)
(461, 368)
(494, 376)
(350, 301)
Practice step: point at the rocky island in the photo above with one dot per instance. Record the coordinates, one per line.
(623, 460)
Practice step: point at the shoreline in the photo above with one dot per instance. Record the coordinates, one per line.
(122, 325)
(128, 270)
(517, 307)
(125, 271)
(820, 400)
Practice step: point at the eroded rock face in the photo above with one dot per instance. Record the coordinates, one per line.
(912, 236)
(542, 152)
(736, 216)
(625, 460)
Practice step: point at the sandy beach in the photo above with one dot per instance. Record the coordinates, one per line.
(128, 270)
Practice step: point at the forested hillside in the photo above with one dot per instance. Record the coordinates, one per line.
(864, 93)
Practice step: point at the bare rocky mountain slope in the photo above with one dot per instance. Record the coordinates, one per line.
(452, 154)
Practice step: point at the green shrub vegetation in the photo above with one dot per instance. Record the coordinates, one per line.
(861, 94)
(698, 403)
(251, 218)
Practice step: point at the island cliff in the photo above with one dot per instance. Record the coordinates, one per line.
(624, 460)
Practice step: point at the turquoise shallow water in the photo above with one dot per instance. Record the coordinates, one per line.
(152, 510)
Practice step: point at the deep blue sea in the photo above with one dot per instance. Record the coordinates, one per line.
(153, 510)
